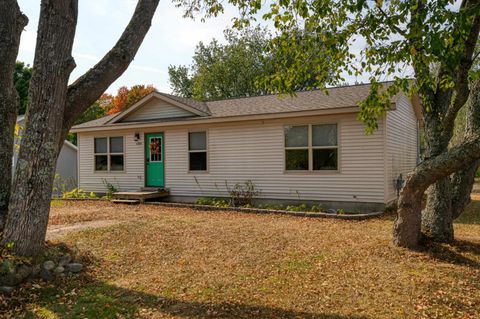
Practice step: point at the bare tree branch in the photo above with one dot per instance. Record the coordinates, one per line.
(90, 86)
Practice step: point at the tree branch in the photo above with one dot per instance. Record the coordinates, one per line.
(90, 86)
(390, 24)
(457, 158)
(466, 60)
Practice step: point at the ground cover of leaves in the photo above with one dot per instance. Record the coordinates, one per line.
(162, 262)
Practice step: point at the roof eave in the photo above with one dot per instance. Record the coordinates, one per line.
(208, 120)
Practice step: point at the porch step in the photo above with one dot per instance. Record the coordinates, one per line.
(125, 201)
(142, 195)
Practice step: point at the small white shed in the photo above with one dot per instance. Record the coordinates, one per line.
(67, 166)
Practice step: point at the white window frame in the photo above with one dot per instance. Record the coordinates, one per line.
(310, 149)
(108, 154)
(198, 151)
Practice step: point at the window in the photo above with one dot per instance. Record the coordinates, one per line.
(155, 149)
(197, 149)
(311, 147)
(109, 155)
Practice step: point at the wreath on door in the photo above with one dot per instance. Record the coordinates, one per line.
(154, 147)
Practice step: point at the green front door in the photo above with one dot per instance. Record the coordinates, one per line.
(154, 155)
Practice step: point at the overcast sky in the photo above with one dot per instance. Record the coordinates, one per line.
(171, 39)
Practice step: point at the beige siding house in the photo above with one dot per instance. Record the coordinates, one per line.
(308, 148)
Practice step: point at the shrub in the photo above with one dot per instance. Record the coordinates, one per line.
(204, 201)
(243, 193)
(110, 189)
(78, 193)
(316, 208)
(298, 208)
(212, 202)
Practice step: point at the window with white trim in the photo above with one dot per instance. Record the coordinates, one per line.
(311, 147)
(197, 151)
(109, 154)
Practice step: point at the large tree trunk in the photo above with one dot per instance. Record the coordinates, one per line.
(30, 200)
(437, 214)
(462, 182)
(462, 185)
(448, 197)
(437, 219)
(12, 22)
(407, 228)
(54, 108)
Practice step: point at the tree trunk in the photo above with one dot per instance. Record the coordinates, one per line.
(437, 214)
(437, 219)
(53, 109)
(463, 181)
(31, 194)
(462, 184)
(407, 228)
(12, 22)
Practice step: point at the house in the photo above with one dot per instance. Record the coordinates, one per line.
(66, 163)
(308, 148)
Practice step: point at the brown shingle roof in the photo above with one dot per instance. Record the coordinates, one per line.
(338, 97)
(97, 122)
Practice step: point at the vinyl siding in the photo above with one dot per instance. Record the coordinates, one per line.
(130, 179)
(401, 152)
(252, 151)
(157, 109)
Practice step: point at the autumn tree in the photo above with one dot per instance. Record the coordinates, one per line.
(53, 108)
(400, 40)
(126, 97)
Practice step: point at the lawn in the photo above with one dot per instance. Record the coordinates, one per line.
(159, 262)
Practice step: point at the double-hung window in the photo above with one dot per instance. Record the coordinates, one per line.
(109, 153)
(197, 151)
(311, 147)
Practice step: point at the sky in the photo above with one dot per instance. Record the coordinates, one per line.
(171, 39)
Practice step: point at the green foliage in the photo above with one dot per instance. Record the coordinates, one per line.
(210, 201)
(230, 70)
(21, 79)
(400, 40)
(224, 70)
(180, 80)
(110, 188)
(298, 208)
(78, 193)
(271, 206)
